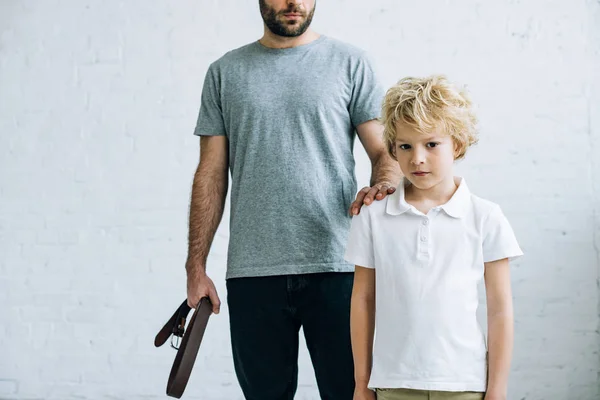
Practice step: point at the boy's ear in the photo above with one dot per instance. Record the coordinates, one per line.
(456, 149)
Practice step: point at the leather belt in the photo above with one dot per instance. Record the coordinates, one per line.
(190, 337)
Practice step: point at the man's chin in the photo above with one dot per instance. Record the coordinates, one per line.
(291, 26)
(291, 34)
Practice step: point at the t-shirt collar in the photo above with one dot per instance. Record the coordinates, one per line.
(456, 207)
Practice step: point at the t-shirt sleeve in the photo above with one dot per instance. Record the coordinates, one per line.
(367, 93)
(210, 117)
(499, 240)
(359, 249)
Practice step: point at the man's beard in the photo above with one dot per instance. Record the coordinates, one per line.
(281, 28)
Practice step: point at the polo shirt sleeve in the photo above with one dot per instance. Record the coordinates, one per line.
(499, 240)
(210, 117)
(359, 250)
(367, 93)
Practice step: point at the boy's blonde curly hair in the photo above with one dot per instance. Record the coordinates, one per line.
(431, 104)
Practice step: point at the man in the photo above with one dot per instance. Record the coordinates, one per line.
(280, 114)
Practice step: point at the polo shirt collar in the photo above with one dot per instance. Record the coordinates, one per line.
(396, 204)
(456, 207)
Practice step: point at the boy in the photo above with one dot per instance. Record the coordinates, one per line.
(420, 254)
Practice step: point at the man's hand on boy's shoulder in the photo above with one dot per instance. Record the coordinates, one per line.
(368, 194)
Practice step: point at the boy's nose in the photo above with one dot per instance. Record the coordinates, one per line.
(418, 158)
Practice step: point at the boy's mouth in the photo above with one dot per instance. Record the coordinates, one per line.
(420, 173)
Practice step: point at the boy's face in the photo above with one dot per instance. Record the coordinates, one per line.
(426, 159)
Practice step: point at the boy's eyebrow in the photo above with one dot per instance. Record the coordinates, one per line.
(422, 138)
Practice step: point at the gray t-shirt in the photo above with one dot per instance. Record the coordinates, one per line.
(290, 118)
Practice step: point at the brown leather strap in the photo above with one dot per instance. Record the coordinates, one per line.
(190, 344)
(173, 326)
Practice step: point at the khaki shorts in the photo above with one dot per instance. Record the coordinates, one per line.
(411, 394)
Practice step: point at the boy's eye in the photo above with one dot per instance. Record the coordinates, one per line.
(404, 146)
(432, 144)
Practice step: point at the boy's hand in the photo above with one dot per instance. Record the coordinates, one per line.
(364, 394)
(369, 194)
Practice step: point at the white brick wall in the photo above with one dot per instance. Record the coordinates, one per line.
(98, 101)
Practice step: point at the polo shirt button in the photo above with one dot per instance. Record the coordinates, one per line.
(423, 238)
(425, 222)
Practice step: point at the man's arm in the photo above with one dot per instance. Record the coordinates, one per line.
(385, 171)
(362, 327)
(500, 327)
(209, 191)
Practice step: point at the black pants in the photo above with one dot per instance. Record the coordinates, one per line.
(265, 316)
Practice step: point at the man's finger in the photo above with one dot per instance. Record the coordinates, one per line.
(358, 202)
(214, 299)
(391, 190)
(371, 195)
(194, 300)
(191, 303)
(383, 191)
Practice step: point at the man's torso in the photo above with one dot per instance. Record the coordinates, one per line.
(288, 120)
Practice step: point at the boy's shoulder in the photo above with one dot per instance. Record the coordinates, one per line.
(482, 207)
(373, 211)
(380, 210)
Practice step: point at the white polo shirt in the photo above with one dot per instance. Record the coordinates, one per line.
(428, 268)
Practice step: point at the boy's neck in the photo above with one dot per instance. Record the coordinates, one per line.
(425, 199)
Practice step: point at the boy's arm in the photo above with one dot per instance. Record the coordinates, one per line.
(385, 171)
(500, 327)
(362, 324)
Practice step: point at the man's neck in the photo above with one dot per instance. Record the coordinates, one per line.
(273, 41)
